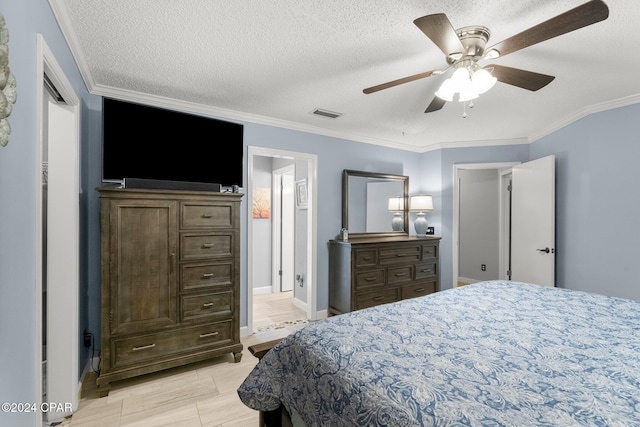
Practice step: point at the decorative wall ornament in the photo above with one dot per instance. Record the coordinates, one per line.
(7, 84)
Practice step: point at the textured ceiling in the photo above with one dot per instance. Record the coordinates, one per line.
(274, 62)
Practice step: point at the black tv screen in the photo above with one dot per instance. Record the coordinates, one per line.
(140, 141)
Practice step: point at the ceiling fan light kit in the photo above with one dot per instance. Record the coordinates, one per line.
(465, 47)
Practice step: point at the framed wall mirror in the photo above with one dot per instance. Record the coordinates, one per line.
(375, 204)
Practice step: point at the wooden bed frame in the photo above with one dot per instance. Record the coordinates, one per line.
(278, 417)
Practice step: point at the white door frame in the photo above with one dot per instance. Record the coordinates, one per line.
(62, 318)
(277, 225)
(456, 207)
(505, 224)
(312, 232)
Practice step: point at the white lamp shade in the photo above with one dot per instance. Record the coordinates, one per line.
(422, 203)
(396, 203)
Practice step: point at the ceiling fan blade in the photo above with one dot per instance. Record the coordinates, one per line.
(399, 81)
(576, 18)
(436, 104)
(520, 78)
(439, 29)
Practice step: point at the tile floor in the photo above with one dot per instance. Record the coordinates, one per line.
(202, 394)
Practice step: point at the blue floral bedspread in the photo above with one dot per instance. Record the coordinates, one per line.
(495, 353)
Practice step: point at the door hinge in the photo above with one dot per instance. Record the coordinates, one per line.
(279, 272)
(509, 274)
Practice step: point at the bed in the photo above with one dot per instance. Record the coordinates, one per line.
(495, 353)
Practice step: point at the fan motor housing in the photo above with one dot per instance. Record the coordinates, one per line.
(474, 39)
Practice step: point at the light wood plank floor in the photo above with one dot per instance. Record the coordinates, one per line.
(202, 394)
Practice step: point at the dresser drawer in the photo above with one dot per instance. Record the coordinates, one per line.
(156, 346)
(426, 270)
(203, 276)
(200, 246)
(203, 215)
(418, 290)
(365, 257)
(369, 279)
(430, 251)
(399, 254)
(398, 275)
(364, 300)
(204, 307)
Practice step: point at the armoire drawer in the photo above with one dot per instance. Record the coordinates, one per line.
(204, 307)
(206, 275)
(195, 246)
(203, 215)
(129, 351)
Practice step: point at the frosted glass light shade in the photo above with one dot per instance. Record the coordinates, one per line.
(467, 83)
(482, 81)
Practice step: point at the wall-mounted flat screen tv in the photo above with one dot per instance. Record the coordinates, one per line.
(144, 142)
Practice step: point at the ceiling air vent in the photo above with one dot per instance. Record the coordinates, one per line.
(326, 113)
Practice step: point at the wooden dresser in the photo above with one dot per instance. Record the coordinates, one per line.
(170, 280)
(368, 271)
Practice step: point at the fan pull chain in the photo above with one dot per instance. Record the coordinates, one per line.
(464, 110)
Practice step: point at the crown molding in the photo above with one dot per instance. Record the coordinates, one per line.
(597, 108)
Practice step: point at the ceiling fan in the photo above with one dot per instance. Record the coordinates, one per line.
(465, 47)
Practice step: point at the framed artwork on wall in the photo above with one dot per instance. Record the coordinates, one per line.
(301, 194)
(261, 203)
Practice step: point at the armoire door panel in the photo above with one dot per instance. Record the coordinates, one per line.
(143, 287)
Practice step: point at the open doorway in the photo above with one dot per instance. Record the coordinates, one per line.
(504, 216)
(481, 222)
(281, 238)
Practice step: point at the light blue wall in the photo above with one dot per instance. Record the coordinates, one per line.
(18, 179)
(597, 202)
(334, 155)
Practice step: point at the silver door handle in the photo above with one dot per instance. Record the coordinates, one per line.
(546, 250)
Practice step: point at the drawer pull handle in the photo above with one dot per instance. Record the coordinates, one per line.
(420, 290)
(207, 245)
(400, 274)
(370, 279)
(207, 304)
(378, 298)
(366, 258)
(210, 334)
(399, 255)
(426, 270)
(144, 347)
(206, 216)
(207, 275)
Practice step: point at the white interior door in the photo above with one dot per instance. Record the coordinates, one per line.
(62, 258)
(533, 222)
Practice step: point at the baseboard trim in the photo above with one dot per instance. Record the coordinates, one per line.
(262, 290)
(88, 367)
(299, 304)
